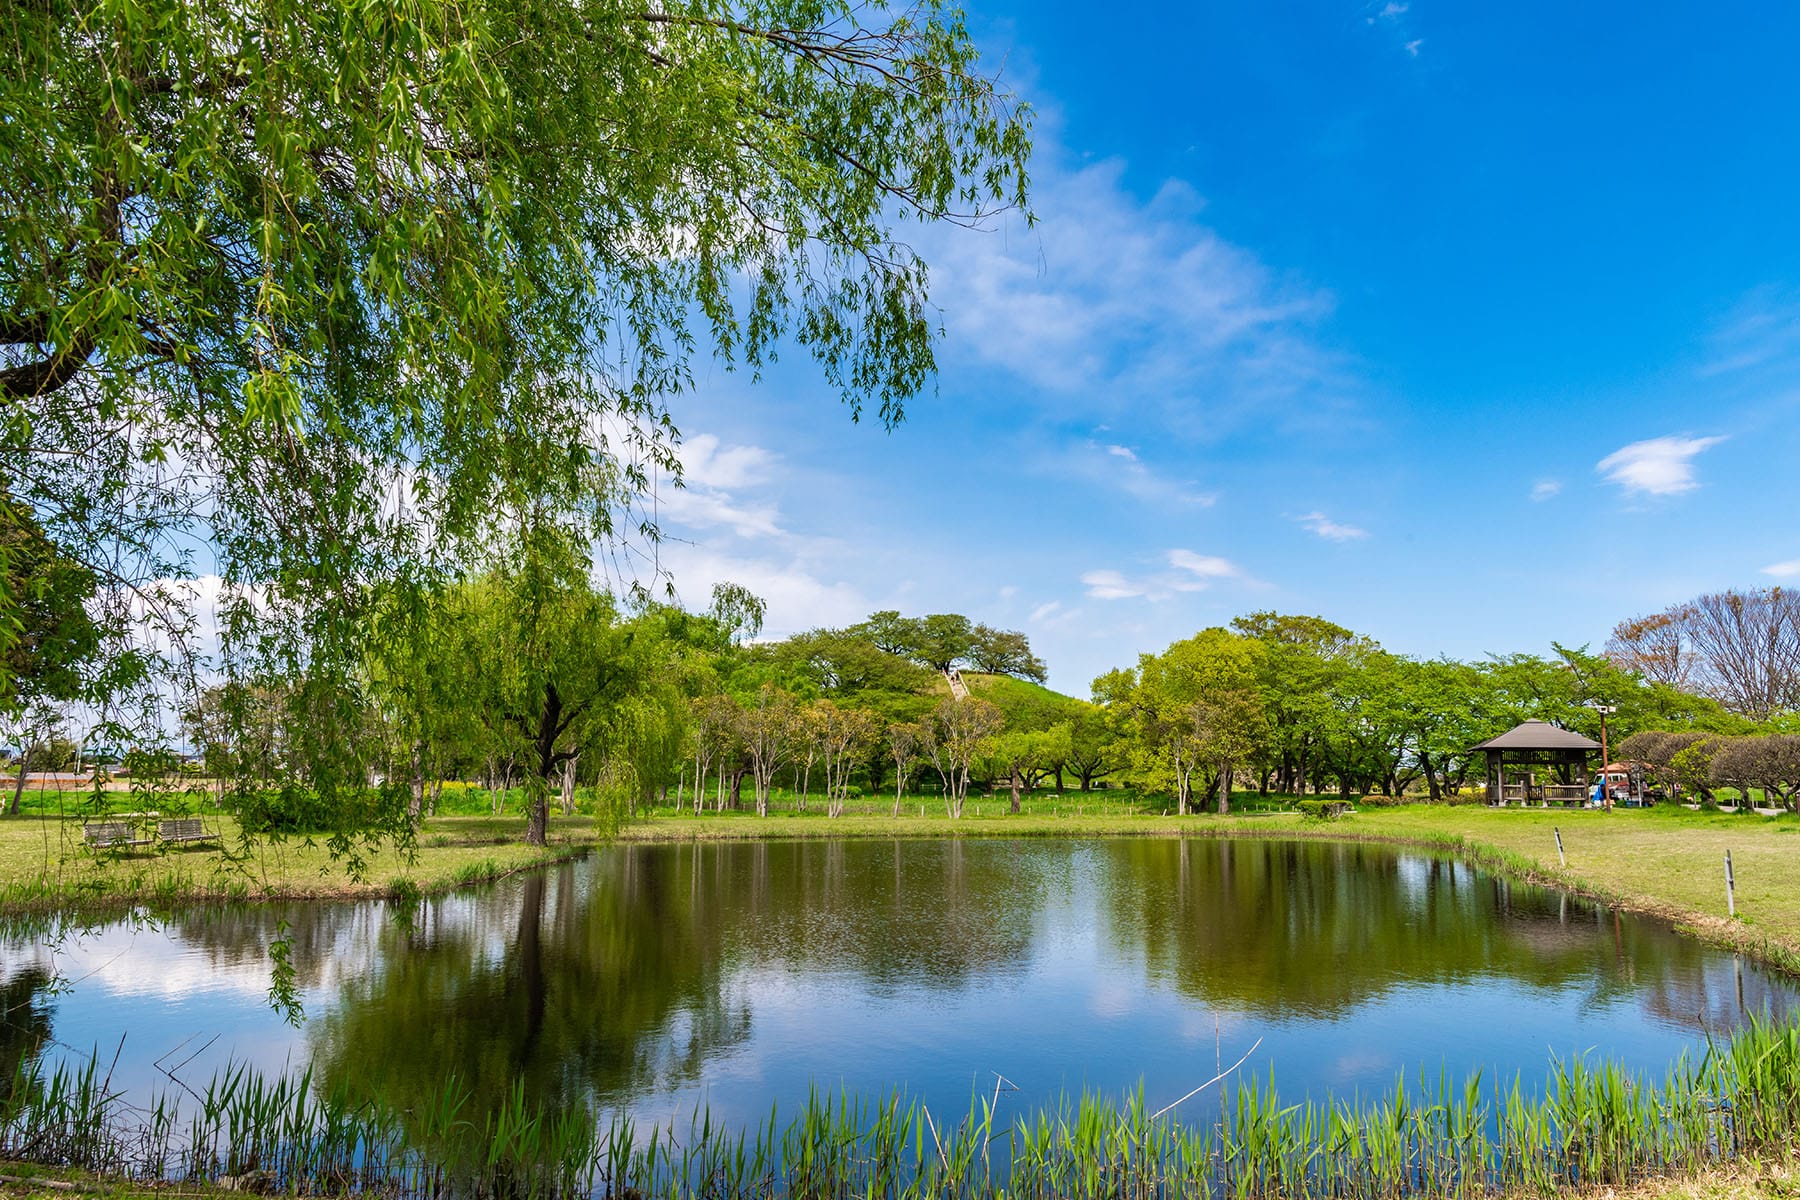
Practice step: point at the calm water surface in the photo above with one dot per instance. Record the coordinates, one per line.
(651, 977)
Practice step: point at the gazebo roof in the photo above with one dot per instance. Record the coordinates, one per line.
(1538, 735)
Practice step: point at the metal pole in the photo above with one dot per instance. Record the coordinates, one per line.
(1730, 888)
(1559, 850)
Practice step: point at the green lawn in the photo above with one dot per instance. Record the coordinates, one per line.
(44, 863)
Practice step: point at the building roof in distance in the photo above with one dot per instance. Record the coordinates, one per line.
(1538, 735)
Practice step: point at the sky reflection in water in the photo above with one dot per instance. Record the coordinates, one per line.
(651, 977)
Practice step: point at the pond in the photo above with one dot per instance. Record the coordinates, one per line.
(648, 978)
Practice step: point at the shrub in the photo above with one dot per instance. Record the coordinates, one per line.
(1380, 801)
(1322, 810)
(295, 809)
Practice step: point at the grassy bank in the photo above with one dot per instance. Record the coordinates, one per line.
(44, 864)
(1591, 1126)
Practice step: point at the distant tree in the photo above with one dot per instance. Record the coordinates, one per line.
(737, 611)
(1197, 711)
(891, 633)
(716, 721)
(1004, 652)
(955, 734)
(767, 728)
(1442, 708)
(906, 741)
(1742, 648)
(1026, 755)
(1097, 748)
(1770, 763)
(1656, 647)
(945, 639)
(548, 660)
(1750, 643)
(843, 664)
(54, 753)
(843, 734)
(1303, 662)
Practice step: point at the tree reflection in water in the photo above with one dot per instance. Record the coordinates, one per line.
(656, 970)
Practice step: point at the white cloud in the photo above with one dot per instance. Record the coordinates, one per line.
(1111, 585)
(1783, 570)
(712, 474)
(1120, 468)
(1393, 9)
(1332, 531)
(1191, 573)
(1205, 566)
(706, 508)
(798, 587)
(707, 462)
(1544, 489)
(1412, 47)
(1661, 466)
(1114, 304)
(1044, 612)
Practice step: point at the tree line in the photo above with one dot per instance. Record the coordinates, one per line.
(557, 691)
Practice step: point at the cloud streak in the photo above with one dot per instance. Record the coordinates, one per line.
(1661, 466)
(1331, 531)
(1189, 572)
(1139, 307)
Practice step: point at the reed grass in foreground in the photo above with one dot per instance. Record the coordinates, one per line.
(1593, 1125)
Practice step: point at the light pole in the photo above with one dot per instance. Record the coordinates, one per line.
(1605, 710)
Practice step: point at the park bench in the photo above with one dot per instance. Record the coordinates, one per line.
(184, 829)
(112, 835)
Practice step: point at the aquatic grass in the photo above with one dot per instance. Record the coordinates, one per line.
(1594, 1124)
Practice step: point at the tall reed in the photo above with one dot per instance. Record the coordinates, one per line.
(1592, 1124)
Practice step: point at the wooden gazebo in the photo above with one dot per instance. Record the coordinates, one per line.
(1517, 758)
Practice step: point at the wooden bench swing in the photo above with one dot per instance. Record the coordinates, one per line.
(123, 835)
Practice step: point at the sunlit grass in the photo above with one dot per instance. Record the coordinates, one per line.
(44, 863)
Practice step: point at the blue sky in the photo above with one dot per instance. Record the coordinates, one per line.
(1469, 327)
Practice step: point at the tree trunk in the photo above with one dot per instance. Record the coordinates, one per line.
(18, 789)
(737, 790)
(1432, 786)
(537, 812)
(568, 785)
(1224, 787)
(415, 807)
(1015, 788)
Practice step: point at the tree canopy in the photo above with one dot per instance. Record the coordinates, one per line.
(327, 289)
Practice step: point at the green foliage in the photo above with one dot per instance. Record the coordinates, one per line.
(54, 753)
(47, 636)
(1314, 809)
(334, 298)
(295, 809)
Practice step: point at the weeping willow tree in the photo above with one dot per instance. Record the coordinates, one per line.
(324, 299)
